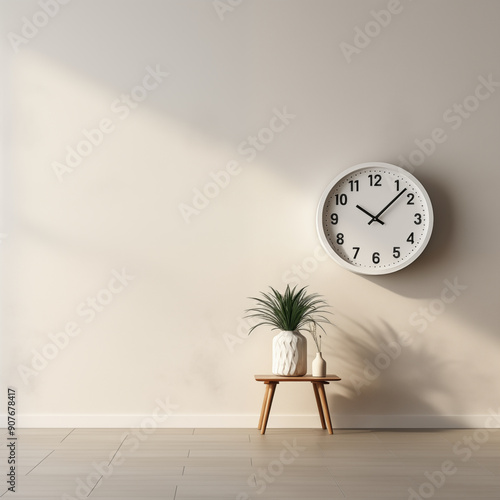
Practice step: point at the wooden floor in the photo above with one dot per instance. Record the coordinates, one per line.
(240, 464)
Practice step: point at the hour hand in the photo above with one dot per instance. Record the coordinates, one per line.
(373, 217)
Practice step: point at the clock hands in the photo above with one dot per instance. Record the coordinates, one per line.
(376, 217)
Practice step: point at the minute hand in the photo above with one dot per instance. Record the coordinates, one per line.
(386, 207)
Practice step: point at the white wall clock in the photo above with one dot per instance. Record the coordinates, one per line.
(374, 218)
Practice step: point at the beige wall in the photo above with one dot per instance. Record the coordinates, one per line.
(123, 288)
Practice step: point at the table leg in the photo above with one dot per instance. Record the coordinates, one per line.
(318, 402)
(269, 402)
(263, 406)
(324, 404)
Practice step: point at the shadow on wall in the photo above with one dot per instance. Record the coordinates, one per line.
(413, 281)
(387, 373)
(225, 84)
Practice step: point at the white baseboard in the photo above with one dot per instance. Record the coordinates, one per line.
(251, 421)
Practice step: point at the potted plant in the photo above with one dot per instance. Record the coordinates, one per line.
(290, 313)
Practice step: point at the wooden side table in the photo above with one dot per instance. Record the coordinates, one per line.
(318, 384)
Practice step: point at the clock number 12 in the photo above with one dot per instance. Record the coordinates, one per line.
(375, 180)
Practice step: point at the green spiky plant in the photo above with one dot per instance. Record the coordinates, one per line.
(290, 311)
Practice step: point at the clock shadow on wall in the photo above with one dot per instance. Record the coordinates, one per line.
(418, 279)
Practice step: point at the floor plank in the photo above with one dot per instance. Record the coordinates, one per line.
(185, 464)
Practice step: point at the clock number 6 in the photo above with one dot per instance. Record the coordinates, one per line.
(376, 257)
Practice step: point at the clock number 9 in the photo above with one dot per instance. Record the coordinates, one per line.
(418, 219)
(334, 218)
(376, 258)
(340, 238)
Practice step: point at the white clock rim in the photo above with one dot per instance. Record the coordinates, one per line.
(376, 271)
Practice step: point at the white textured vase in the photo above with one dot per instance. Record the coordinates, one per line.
(318, 366)
(289, 354)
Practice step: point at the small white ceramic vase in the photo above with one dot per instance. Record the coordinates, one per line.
(318, 366)
(289, 354)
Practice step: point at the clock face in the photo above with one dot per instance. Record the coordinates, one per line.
(374, 218)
